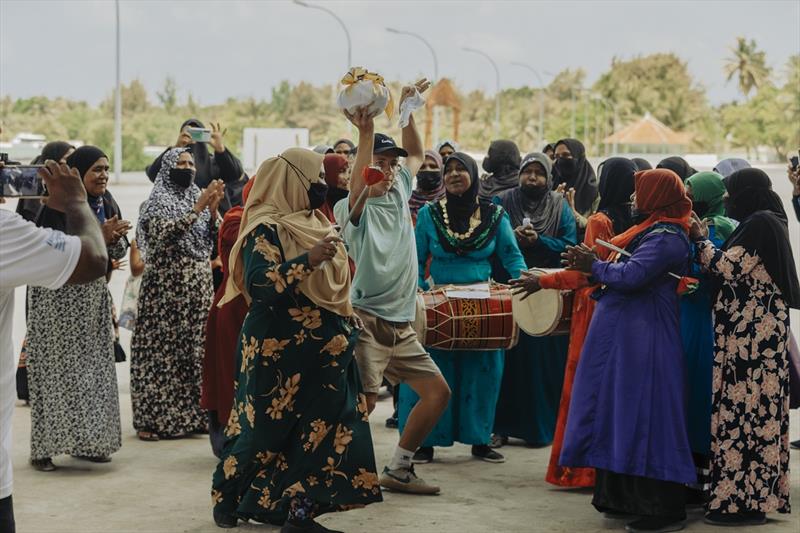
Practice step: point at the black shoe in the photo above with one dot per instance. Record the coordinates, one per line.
(795, 444)
(392, 422)
(312, 527)
(485, 453)
(752, 518)
(94, 459)
(655, 524)
(619, 515)
(225, 521)
(498, 441)
(43, 465)
(423, 455)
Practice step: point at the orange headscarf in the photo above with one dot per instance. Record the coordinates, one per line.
(661, 193)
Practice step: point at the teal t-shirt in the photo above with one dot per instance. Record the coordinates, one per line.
(385, 252)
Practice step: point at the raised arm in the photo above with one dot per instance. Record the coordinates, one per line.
(365, 123)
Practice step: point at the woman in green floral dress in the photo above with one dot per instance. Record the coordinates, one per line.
(298, 443)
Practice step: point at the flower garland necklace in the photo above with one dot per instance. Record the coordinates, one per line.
(474, 222)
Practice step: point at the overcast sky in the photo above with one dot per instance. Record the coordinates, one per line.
(219, 49)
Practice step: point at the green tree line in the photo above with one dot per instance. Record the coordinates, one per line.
(768, 114)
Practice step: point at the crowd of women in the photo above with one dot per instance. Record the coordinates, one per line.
(672, 387)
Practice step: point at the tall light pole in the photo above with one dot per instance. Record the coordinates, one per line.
(341, 23)
(497, 94)
(435, 74)
(118, 112)
(541, 99)
(613, 108)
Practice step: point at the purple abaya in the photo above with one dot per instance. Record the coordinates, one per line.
(628, 408)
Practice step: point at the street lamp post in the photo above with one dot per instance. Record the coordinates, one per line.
(497, 95)
(341, 23)
(435, 74)
(613, 108)
(541, 99)
(118, 111)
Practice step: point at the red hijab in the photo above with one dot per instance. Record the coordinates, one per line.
(333, 163)
(229, 229)
(661, 193)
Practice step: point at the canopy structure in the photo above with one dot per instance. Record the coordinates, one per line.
(442, 94)
(648, 135)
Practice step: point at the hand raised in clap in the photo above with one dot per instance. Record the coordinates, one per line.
(580, 258)
(527, 284)
(217, 133)
(698, 229)
(210, 197)
(114, 229)
(324, 250)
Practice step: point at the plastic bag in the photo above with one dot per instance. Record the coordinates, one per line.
(364, 88)
(408, 106)
(130, 303)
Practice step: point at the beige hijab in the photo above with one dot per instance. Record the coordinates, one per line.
(279, 197)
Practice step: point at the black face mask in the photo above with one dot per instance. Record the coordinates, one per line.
(637, 216)
(429, 180)
(700, 208)
(567, 168)
(317, 193)
(182, 177)
(335, 194)
(534, 192)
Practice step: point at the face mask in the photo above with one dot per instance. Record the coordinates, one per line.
(317, 193)
(428, 180)
(701, 208)
(182, 177)
(533, 192)
(335, 194)
(637, 215)
(567, 168)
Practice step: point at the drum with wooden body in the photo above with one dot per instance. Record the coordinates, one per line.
(545, 312)
(448, 323)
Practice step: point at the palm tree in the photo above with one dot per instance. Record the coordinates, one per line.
(749, 64)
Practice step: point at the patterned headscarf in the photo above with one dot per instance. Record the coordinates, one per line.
(170, 201)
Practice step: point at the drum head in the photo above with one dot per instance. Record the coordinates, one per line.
(538, 314)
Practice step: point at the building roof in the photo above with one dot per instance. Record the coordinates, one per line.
(648, 131)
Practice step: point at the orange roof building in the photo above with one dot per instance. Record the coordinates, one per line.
(648, 135)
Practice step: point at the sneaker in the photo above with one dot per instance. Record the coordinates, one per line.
(405, 480)
(795, 444)
(752, 518)
(423, 455)
(43, 465)
(619, 515)
(655, 524)
(484, 452)
(392, 422)
(498, 441)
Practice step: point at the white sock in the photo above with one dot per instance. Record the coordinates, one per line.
(401, 459)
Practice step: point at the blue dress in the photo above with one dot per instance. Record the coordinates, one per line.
(534, 369)
(697, 333)
(473, 376)
(628, 409)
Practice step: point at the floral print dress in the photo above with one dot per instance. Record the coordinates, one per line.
(299, 423)
(750, 386)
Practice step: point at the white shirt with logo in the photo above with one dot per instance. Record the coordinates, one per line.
(40, 257)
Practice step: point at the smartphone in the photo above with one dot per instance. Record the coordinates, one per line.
(21, 181)
(199, 135)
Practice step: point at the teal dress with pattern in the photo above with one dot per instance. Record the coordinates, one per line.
(473, 376)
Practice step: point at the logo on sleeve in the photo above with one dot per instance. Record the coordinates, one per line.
(56, 241)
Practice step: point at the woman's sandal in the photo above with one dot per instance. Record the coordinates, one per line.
(147, 435)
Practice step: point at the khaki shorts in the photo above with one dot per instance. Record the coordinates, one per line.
(390, 350)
